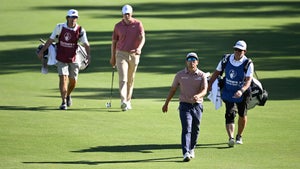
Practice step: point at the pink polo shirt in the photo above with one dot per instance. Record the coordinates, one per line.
(190, 84)
(127, 36)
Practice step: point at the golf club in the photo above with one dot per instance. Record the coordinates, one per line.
(43, 41)
(108, 104)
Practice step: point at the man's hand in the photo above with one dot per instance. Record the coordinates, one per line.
(136, 51)
(113, 61)
(238, 94)
(164, 108)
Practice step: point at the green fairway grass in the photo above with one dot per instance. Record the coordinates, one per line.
(34, 134)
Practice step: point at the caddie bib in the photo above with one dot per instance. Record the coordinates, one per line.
(67, 45)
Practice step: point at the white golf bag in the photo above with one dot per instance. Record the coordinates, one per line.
(50, 55)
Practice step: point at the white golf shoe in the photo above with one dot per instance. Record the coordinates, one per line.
(187, 157)
(192, 153)
(231, 142)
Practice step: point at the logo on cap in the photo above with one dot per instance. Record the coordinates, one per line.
(127, 9)
(240, 45)
(72, 12)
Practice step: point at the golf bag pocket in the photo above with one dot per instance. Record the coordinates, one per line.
(258, 95)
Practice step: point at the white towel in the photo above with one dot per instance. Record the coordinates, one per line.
(215, 95)
(52, 55)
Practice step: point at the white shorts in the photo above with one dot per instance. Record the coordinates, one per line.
(68, 69)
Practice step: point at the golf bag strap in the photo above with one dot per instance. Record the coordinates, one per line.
(247, 66)
(224, 62)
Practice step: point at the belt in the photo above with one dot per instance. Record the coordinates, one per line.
(190, 104)
(123, 51)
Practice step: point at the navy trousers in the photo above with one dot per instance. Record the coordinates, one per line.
(190, 117)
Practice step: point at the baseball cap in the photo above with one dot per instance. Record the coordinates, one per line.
(240, 45)
(72, 12)
(126, 9)
(192, 55)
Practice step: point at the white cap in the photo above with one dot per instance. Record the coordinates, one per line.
(72, 12)
(192, 55)
(240, 45)
(126, 9)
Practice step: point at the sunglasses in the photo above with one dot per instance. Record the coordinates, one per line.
(239, 50)
(191, 59)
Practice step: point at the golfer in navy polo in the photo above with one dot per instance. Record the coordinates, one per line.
(192, 83)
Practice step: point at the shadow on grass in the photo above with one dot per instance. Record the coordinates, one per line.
(166, 159)
(26, 108)
(147, 148)
(48, 108)
(192, 9)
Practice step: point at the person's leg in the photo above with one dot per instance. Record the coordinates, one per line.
(230, 130)
(71, 85)
(230, 126)
(63, 87)
(242, 125)
(133, 64)
(197, 115)
(73, 76)
(242, 122)
(186, 127)
(229, 117)
(63, 73)
(122, 67)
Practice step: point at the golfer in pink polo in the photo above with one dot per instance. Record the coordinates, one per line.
(192, 83)
(128, 39)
